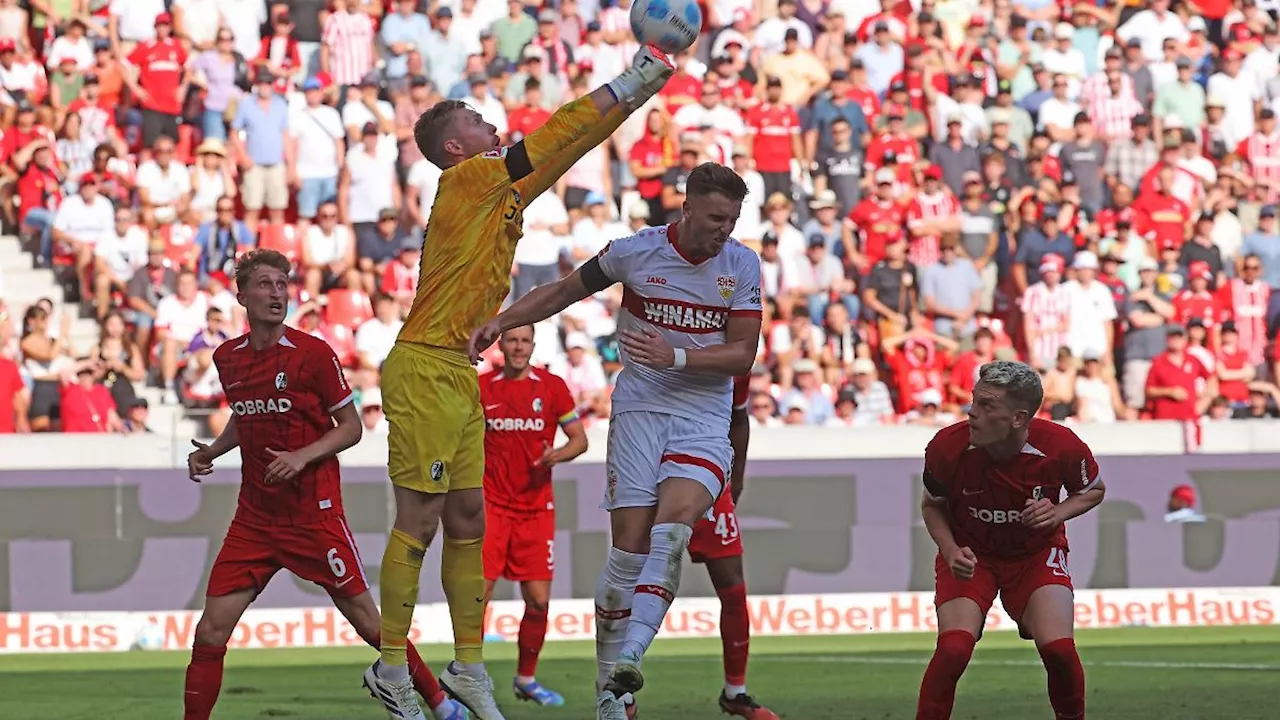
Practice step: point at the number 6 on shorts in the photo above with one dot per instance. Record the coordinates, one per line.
(338, 567)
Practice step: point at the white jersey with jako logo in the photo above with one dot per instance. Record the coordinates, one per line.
(689, 304)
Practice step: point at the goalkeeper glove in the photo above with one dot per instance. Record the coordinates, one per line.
(648, 73)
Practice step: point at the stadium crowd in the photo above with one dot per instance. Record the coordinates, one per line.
(1090, 186)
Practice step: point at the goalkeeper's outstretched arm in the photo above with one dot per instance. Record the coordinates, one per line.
(538, 161)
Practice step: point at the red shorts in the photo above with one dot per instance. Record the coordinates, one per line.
(324, 553)
(719, 537)
(519, 546)
(1013, 580)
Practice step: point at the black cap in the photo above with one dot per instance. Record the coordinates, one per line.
(444, 12)
(1183, 62)
(593, 26)
(791, 34)
(369, 129)
(847, 394)
(888, 157)
(1174, 329)
(90, 79)
(1195, 322)
(856, 64)
(1082, 117)
(839, 75)
(419, 81)
(1068, 178)
(773, 81)
(1267, 211)
(897, 86)
(1134, 43)
(1004, 87)
(1267, 114)
(816, 239)
(1142, 119)
(476, 79)
(1113, 53)
(1017, 21)
(880, 26)
(1229, 326)
(925, 17)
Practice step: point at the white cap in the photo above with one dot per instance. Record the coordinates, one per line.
(1196, 24)
(1148, 263)
(577, 339)
(864, 366)
(1172, 122)
(804, 365)
(885, 175)
(1085, 260)
(824, 199)
(371, 398)
(1064, 31)
(929, 396)
(795, 401)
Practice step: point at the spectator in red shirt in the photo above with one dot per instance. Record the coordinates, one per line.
(879, 221)
(1199, 302)
(14, 398)
(1162, 217)
(1234, 370)
(531, 115)
(964, 374)
(400, 276)
(87, 405)
(919, 360)
(775, 139)
(1171, 383)
(650, 157)
(156, 74)
(39, 190)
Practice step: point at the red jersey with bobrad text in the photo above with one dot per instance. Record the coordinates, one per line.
(985, 498)
(521, 417)
(283, 398)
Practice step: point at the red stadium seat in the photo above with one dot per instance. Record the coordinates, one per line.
(182, 148)
(343, 341)
(347, 307)
(281, 238)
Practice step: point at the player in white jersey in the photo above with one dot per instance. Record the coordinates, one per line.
(690, 323)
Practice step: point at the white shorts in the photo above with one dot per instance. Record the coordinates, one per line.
(646, 448)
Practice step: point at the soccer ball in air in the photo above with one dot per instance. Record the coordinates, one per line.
(670, 25)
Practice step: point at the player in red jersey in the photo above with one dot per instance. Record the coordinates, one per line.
(991, 503)
(523, 407)
(292, 413)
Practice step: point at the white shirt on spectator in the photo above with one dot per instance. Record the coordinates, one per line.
(164, 186)
(1238, 93)
(1091, 308)
(123, 254)
(781, 341)
(592, 238)
(491, 111)
(375, 339)
(244, 18)
(183, 321)
(584, 379)
(590, 170)
(771, 34)
(357, 114)
(541, 246)
(973, 119)
(136, 19)
(1069, 63)
(372, 177)
(425, 176)
(748, 225)
(605, 62)
(317, 129)
(593, 315)
(24, 76)
(790, 240)
(1263, 65)
(323, 248)
(1152, 31)
(1058, 112)
(85, 222)
(201, 20)
(64, 47)
(722, 119)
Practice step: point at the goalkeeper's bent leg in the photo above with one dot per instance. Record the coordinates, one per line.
(398, 577)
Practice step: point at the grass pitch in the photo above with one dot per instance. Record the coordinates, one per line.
(1133, 674)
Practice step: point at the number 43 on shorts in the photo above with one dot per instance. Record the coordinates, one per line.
(1057, 562)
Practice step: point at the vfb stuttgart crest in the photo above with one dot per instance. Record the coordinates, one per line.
(725, 284)
(537, 405)
(282, 382)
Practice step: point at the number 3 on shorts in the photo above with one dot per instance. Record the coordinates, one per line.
(551, 554)
(338, 567)
(1058, 562)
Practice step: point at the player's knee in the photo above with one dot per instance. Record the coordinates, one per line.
(535, 606)
(1059, 655)
(464, 514)
(955, 648)
(209, 631)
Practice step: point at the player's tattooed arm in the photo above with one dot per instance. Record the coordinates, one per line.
(200, 461)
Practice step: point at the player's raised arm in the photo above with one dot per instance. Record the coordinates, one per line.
(538, 161)
(541, 303)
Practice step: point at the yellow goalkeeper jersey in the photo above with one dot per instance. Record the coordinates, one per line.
(478, 217)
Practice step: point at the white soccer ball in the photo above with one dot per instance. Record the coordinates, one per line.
(670, 25)
(149, 637)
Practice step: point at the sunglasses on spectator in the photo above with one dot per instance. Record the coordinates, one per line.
(1254, 268)
(327, 216)
(225, 209)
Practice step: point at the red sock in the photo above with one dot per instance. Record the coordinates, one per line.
(938, 689)
(533, 631)
(204, 681)
(1066, 678)
(735, 633)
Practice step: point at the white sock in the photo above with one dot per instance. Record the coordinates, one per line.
(524, 679)
(473, 670)
(733, 691)
(614, 592)
(657, 586)
(393, 673)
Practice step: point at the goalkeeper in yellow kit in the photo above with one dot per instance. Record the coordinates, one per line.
(430, 393)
